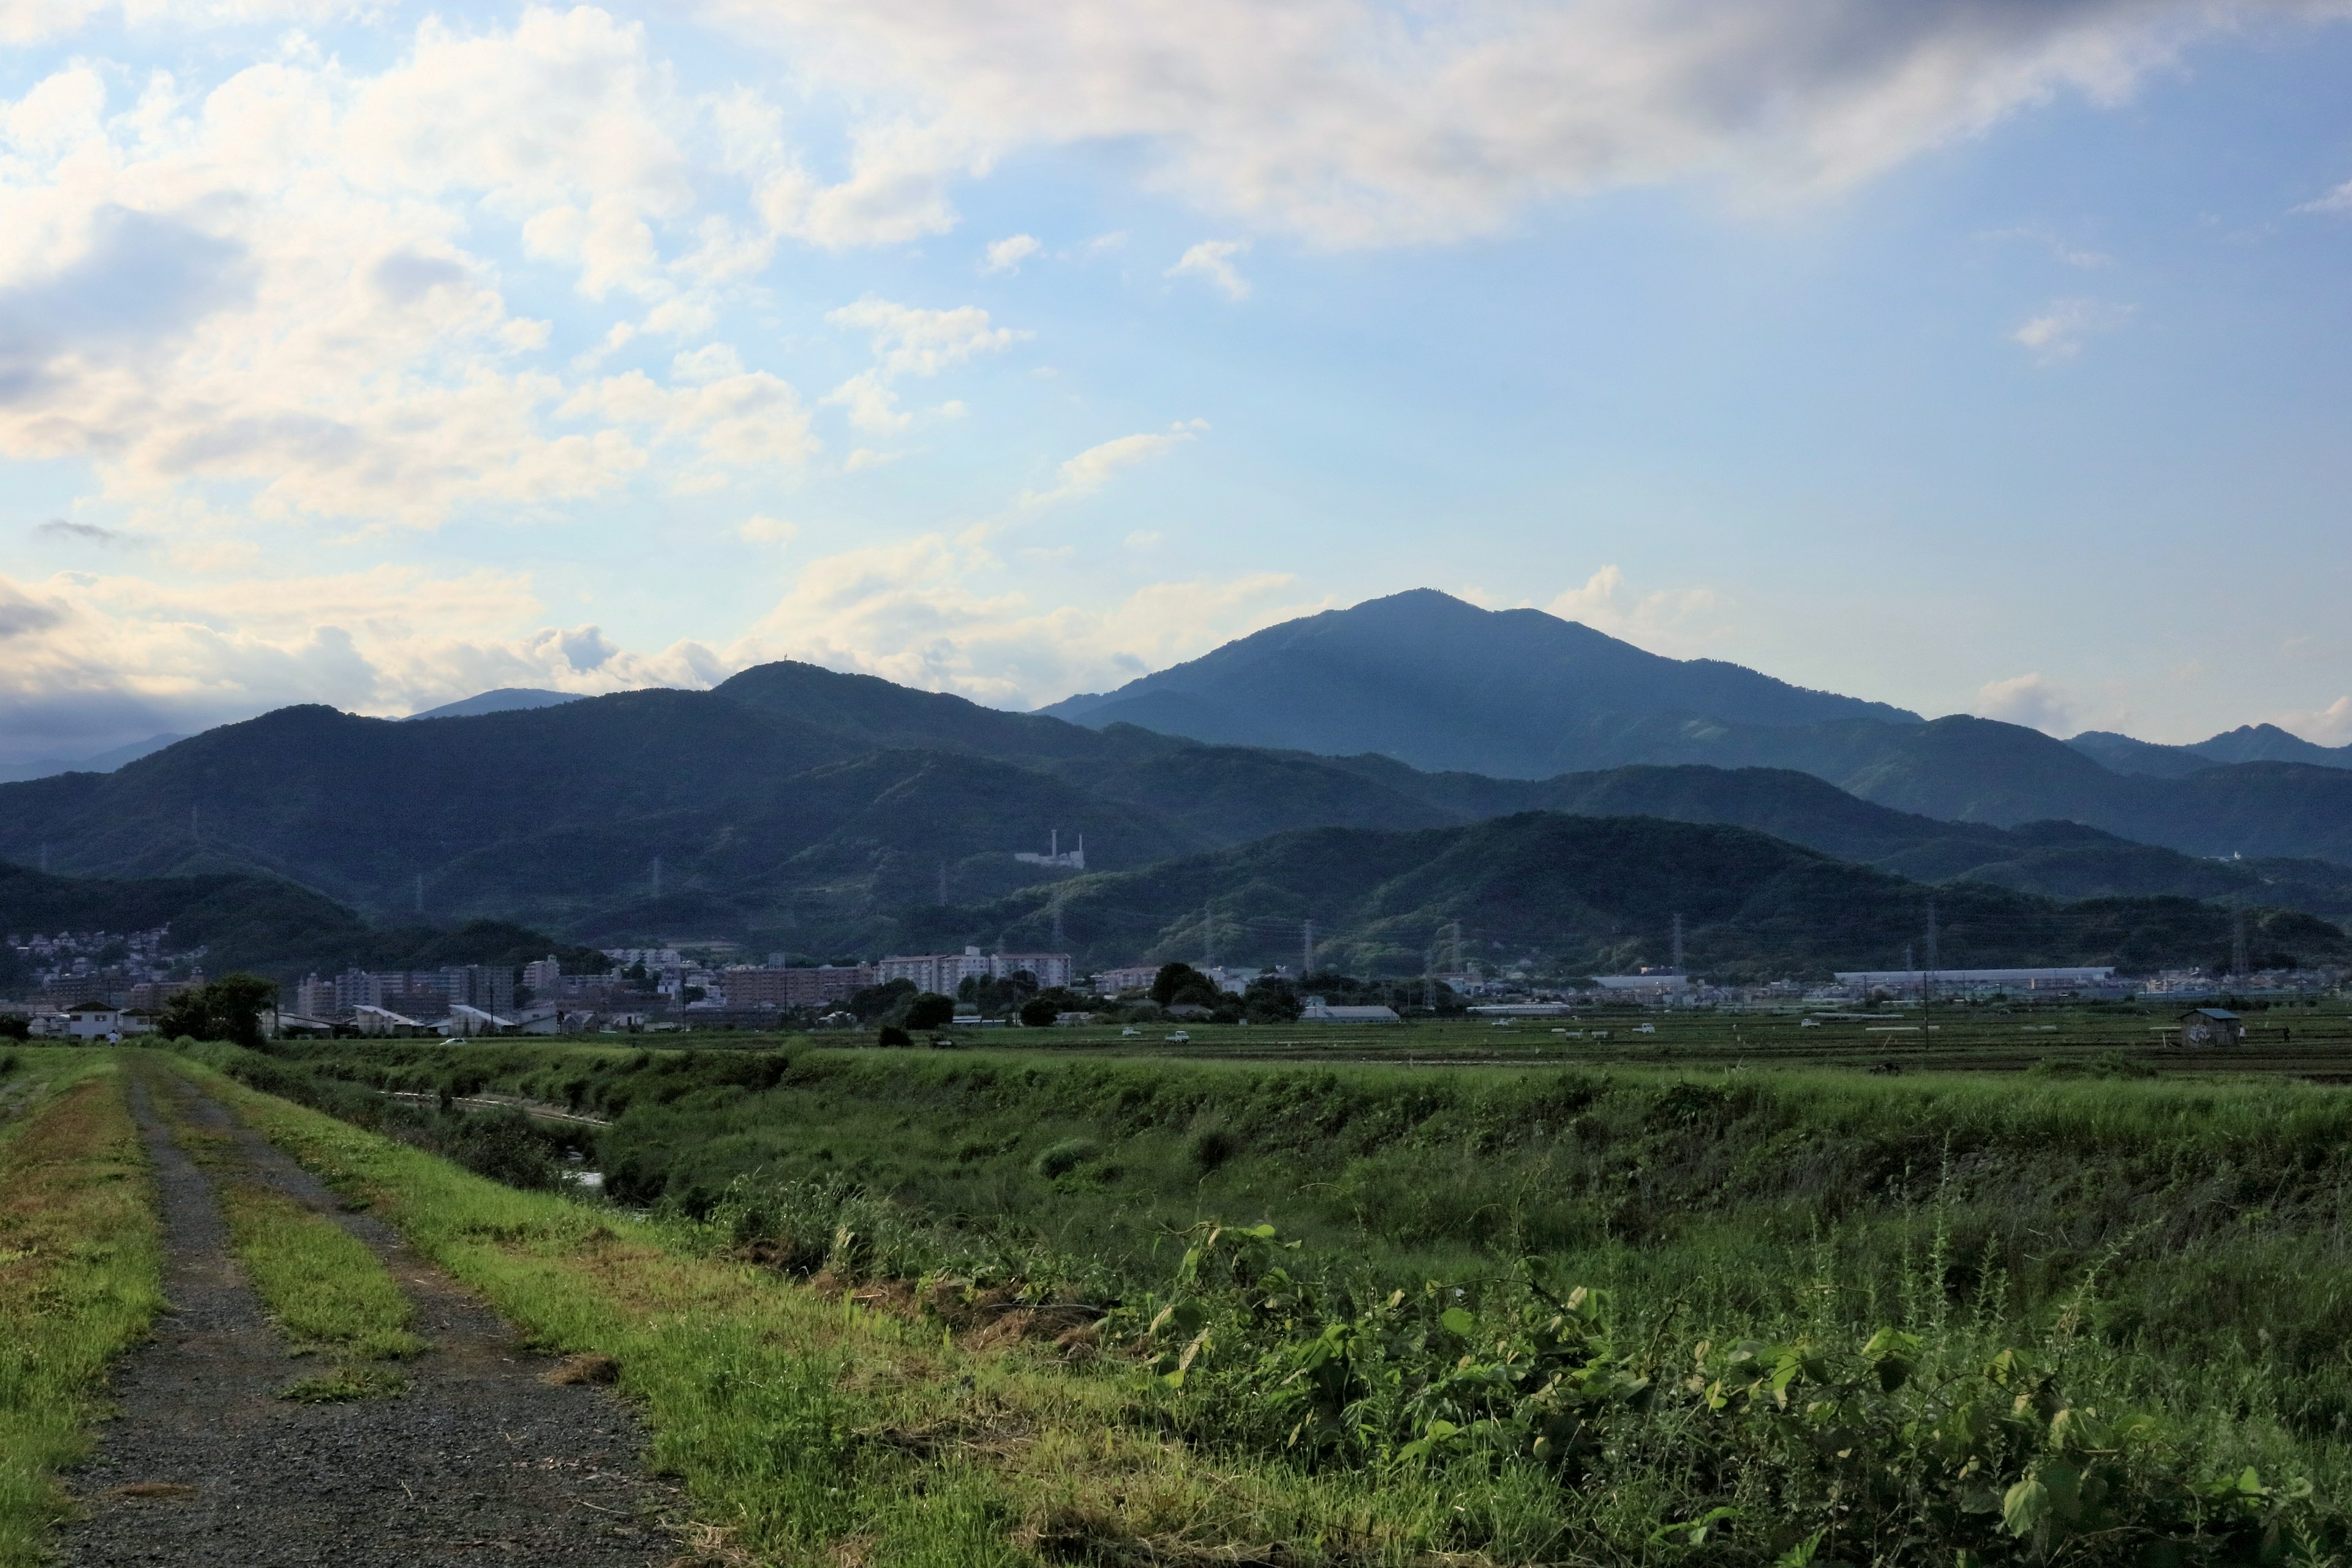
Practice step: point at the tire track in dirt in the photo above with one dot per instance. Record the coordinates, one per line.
(480, 1462)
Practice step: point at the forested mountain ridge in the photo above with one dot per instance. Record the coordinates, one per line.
(810, 810)
(1595, 895)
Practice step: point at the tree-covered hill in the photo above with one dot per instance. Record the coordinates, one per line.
(1596, 894)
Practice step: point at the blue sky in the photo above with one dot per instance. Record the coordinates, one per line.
(1967, 356)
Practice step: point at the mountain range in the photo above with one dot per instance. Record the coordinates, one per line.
(802, 809)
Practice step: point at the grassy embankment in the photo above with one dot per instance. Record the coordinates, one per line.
(2176, 1248)
(804, 1425)
(81, 1271)
(326, 1290)
(2214, 1213)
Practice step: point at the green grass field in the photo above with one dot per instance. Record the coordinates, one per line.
(2084, 1269)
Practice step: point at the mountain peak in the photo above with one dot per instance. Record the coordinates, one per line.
(1432, 681)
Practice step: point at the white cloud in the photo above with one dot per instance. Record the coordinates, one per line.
(93, 659)
(1092, 468)
(268, 284)
(910, 340)
(872, 405)
(2338, 200)
(945, 615)
(865, 457)
(1007, 255)
(751, 419)
(765, 530)
(2062, 329)
(1354, 123)
(2328, 726)
(1212, 259)
(1666, 619)
(2028, 700)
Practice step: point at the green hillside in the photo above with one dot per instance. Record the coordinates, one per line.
(1593, 895)
(264, 924)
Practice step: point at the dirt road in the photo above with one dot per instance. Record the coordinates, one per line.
(480, 1462)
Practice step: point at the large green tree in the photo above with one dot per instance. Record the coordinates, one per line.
(229, 1008)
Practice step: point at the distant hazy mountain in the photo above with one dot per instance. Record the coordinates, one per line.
(505, 700)
(1438, 683)
(822, 813)
(102, 762)
(1596, 894)
(2246, 743)
(2269, 743)
(2123, 754)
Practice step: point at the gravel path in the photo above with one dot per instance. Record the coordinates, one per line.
(480, 1462)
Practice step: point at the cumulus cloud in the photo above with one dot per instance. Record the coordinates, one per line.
(1353, 122)
(1212, 259)
(1662, 618)
(945, 615)
(1007, 255)
(2328, 726)
(910, 340)
(2028, 700)
(2060, 331)
(765, 530)
(269, 282)
(94, 660)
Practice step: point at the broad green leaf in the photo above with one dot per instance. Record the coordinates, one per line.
(2025, 1507)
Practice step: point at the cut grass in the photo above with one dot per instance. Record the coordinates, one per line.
(809, 1428)
(81, 1280)
(326, 1288)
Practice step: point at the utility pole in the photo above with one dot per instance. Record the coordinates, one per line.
(1455, 927)
(1678, 944)
(1058, 938)
(1307, 959)
(1208, 936)
(1928, 980)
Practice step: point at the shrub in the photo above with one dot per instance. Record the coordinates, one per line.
(1212, 1147)
(891, 1035)
(1064, 1157)
(930, 1010)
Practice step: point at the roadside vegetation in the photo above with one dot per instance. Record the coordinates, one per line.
(80, 1272)
(1533, 1316)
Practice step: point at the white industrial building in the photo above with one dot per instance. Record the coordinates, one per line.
(1899, 979)
(943, 972)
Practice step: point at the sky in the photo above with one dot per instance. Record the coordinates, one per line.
(1966, 355)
